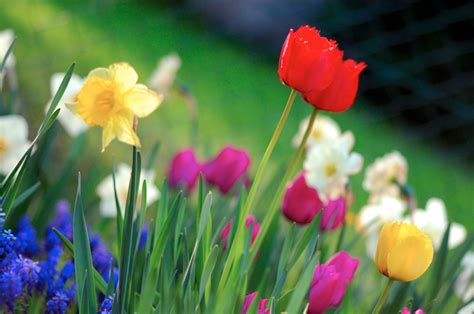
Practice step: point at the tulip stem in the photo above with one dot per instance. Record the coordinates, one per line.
(383, 297)
(281, 188)
(256, 183)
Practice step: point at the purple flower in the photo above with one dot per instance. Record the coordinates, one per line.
(106, 306)
(101, 256)
(227, 168)
(301, 203)
(62, 222)
(330, 282)
(334, 213)
(11, 287)
(27, 270)
(57, 304)
(26, 241)
(184, 170)
(7, 248)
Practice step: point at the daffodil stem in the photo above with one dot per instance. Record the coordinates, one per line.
(256, 183)
(383, 297)
(286, 177)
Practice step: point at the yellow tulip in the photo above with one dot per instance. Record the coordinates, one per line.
(403, 252)
(111, 98)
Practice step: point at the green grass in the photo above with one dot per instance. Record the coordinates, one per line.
(239, 94)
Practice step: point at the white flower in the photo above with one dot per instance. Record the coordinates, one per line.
(372, 216)
(382, 176)
(324, 129)
(468, 309)
(105, 190)
(73, 124)
(164, 75)
(371, 244)
(433, 221)
(6, 38)
(464, 285)
(328, 165)
(13, 141)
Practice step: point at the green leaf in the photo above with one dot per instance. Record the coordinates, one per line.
(287, 246)
(15, 210)
(206, 274)
(302, 287)
(438, 268)
(101, 285)
(111, 283)
(83, 258)
(119, 226)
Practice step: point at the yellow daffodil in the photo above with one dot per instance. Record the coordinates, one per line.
(111, 98)
(403, 252)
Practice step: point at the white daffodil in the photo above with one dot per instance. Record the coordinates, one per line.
(467, 309)
(329, 165)
(324, 129)
(13, 141)
(72, 123)
(433, 221)
(372, 216)
(382, 176)
(464, 285)
(105, 190)
(6, 38)
(164, 75)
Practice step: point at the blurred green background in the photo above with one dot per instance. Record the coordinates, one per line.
(240, 97)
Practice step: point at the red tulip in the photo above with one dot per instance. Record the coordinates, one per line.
(184, 169)
(333, 215)
(340, 94)
(227, 168)
(262, 305)
(308, 61)
(250, 220)
(330, 282)
(301, 203)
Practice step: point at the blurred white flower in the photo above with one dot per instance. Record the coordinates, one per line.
(164, 75)
(372, 216)
(105, 190)
(329, 165)
(6, 38)
(464, 285)
(371, 244)
(324, 129)
(382, 176)
(13, 141)
(433, 221)
(72, 123)
(468, 309)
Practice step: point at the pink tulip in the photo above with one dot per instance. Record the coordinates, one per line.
(405, 310)
(334, 213)
(262, 305)
(330, 282)
(227, 168)
(301, 203)
(184, 169)
(250, 220)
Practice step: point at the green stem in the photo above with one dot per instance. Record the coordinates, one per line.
(256, 184)
(281, 188)
(383, 297)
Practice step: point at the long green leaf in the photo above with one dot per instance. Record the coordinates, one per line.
(302, 287)
(100, 283)
(83, 258)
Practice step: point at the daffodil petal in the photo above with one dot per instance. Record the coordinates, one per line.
(142, 101)
(108, 134)
(353, 164)
(123, 129)
(410, 258)
(457, 235)
(123, 74)
(102, 73)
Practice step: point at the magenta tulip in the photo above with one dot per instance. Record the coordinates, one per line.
(184, 169)
(262, 305)
(227, 168)
(333, 215)
(405, 310)
(330, 282)
(301, 203)
(250, 220)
